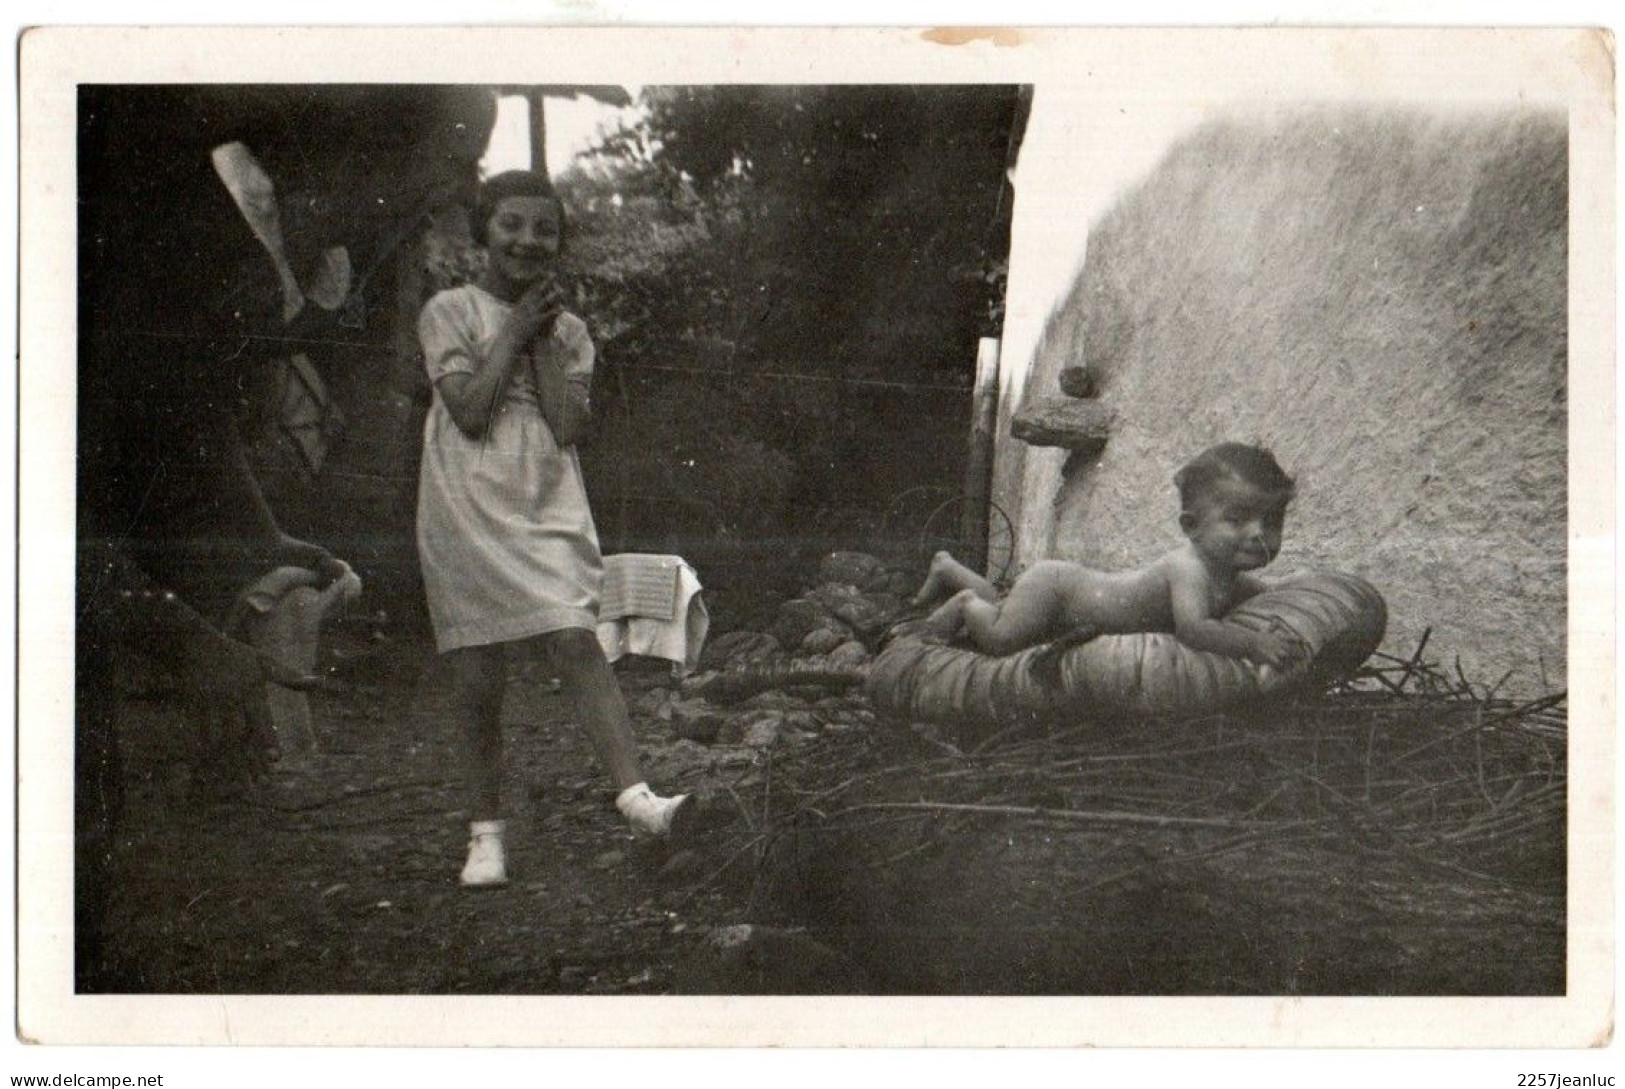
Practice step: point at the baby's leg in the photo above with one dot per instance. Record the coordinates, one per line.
(1025, 618)
(948, 576)
(949, 617)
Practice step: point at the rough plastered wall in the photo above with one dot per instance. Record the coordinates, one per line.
(1380, 297)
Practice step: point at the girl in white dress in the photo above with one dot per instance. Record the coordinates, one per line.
(505, 535)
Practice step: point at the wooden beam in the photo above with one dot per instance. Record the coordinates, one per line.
(979, 455)
(1082, 426)
(538, 130)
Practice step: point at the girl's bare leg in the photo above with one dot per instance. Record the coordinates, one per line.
(948, 576)
(585, 671)
(478, 676)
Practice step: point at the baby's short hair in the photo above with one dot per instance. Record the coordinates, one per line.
(1251, 465)
(512, 183)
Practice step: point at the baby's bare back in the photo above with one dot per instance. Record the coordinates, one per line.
(1116, 601)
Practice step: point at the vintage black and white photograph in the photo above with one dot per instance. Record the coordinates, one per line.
(950, 529)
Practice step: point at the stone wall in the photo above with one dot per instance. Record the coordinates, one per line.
(1379, 295)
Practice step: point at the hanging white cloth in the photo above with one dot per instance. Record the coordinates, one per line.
(651, 605)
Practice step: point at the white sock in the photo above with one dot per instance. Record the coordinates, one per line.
(628, 798)
(487, 865)
(647, 810)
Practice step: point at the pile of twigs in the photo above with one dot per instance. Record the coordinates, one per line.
(1406, 760)
(1402, 833)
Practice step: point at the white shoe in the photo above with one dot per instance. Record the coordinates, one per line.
(649, 812)
(487, 865)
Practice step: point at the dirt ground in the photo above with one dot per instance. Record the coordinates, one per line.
(342, 877)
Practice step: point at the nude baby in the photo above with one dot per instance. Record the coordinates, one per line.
(1233, 501)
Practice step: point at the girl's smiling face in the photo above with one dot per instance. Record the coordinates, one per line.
(521, 240)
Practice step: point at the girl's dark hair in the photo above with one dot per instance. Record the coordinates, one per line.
(512, 183)
(1252, 465)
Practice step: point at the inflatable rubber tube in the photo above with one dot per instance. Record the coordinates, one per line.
(1339, 618)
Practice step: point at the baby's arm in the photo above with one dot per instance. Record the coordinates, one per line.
(1197, 628)
(1247, 586)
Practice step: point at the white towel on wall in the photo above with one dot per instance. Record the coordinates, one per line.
(651, 605)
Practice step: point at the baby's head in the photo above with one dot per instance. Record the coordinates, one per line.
(519, 219)
(1233, 499)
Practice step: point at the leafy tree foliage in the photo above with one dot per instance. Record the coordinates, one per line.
(785, 285)
(805, 271)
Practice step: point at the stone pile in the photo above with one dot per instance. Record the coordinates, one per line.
(796, 680)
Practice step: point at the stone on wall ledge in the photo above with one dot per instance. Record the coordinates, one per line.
(1081, 426)
(1078, 382)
